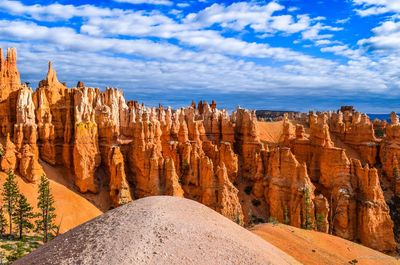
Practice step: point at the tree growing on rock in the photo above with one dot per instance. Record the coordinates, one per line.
(10, 197)
(286, 215)
(3, 223)
(320, 222)
(307, 206)
(46, 217)
(22, 215)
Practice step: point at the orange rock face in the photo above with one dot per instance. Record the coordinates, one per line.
(356, 130)
(289, 192)
(205, 154)
(119, 187)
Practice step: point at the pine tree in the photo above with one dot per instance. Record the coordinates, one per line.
(320, 222)
(10, 196)
(3, 223)
(307, 206)
(22, 215)
(286, 215)
(45, 224)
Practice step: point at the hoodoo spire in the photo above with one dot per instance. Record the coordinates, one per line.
(9, 75)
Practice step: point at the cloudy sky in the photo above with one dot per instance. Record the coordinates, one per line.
(287, 54)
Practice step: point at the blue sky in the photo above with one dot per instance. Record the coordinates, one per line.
(288, 54)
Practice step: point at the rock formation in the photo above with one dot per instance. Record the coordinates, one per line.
(119, 188)
(202, 153)
(356, 130)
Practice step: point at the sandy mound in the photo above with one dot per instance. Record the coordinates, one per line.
(71, 208)
(310, 247)
(159, 230)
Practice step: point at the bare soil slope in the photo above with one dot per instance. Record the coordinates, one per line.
(159, 230)
(270, 132)
(315, 248)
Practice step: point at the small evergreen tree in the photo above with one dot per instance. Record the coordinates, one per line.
(10, 196)
(307, 206)
(286, 215)
(46, 217)
(3, 223)
(22, 215)
(320, 222)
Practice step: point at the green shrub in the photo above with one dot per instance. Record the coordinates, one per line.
(286, 215)
(273, 220)
(319, 221)
(185, 167)
(379, 133)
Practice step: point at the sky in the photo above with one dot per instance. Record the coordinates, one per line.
(281, 55)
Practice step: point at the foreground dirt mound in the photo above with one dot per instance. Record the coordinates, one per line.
(310, 247)
(159, 230)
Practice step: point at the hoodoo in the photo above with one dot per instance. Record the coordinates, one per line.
(326, 172)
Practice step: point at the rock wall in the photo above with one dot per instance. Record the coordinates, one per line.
(200, 152)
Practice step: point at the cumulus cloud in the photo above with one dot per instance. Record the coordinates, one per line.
(55, 11)
(386, 37)
(260, 18)
(235, 16)
(376, 7)
(68, 38)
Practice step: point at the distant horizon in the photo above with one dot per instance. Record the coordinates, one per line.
(177, 101)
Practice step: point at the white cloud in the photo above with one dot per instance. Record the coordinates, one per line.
(139, 75)
(56, 11)
(293, 9)
(313, 32)
(69, 39)
(286, 23)
(182, 5)
(235, 16)
(376, 7)
(343, 50)
(342, 21)
(262, 19)
(386, 36)
(150, 2)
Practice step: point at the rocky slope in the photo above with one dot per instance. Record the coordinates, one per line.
(128, 151)
(159, 230)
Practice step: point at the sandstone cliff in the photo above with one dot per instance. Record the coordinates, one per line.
(130, 151)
